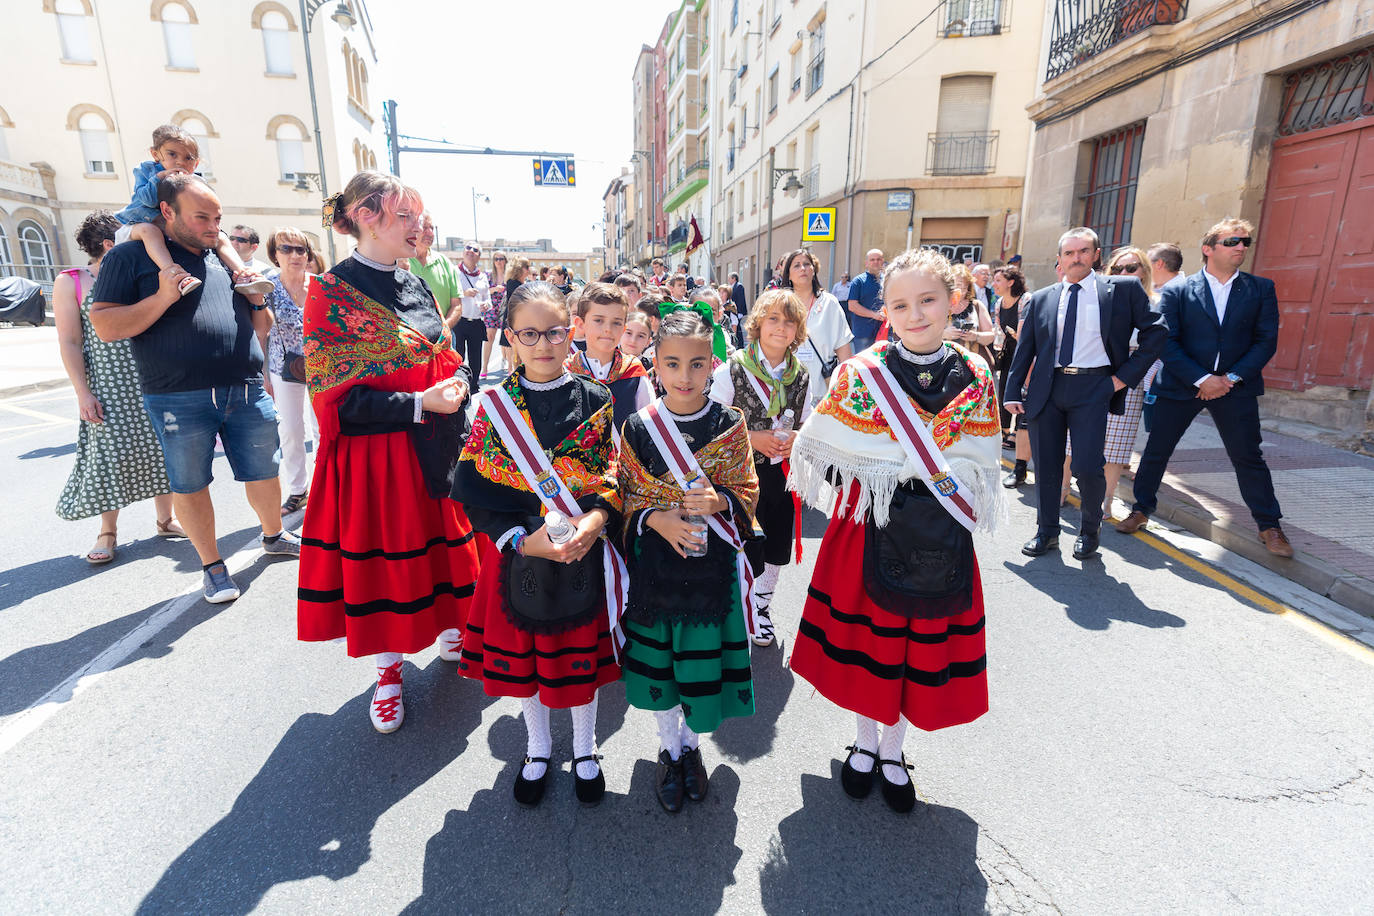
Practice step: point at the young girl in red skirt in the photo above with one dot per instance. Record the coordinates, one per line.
(909, 433)
(387, 558)
(540, 628)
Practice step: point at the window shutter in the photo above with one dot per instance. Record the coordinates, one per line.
(964, 104)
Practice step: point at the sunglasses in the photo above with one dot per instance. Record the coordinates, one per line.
(501, 260)
(1126, 268)
(293, 249)
(530, 337)
(240, 239)
(1235, 240)
(473, 250)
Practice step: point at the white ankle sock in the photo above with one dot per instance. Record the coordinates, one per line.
(891, 749)
(764, 585)
(384, 661)
(451, 640)
(690, 739)
(538, 742)
(584, 738)
(670, 727)
(867, 739)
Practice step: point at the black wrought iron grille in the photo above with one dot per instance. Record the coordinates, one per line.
(1083, 28)
(1109, 204)
(961, 153)
(1329, 93)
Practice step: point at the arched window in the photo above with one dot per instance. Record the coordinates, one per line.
(276, 43)
(176, 35)
(95, 144)
(357, 155)
(6, 259)
(362, 84)
(201, 132)
(37, 253)
(73, 32)
(348, 70)
(290, 141)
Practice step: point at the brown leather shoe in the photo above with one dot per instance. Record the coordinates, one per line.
(1132, 523)
(1276, 542)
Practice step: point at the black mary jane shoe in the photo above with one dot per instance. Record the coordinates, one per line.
(1085, 546)
(694, 779)
(855, 783)
(1040, 545)
(671, 783)
(530, 792)
(589, 791)
(900, 798)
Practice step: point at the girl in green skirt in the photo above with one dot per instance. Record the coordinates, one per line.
(687, 480)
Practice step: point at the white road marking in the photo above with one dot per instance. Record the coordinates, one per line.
(25, 723)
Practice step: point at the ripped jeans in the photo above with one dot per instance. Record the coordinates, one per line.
(187, 422)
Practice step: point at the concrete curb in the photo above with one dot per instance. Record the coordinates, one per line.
(1310, 571)
(34, 387)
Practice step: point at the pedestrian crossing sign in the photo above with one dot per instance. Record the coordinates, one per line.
(818, 224)
(555, 173)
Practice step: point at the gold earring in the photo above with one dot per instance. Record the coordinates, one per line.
(374, 233)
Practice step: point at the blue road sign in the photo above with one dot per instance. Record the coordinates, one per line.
(555, 173)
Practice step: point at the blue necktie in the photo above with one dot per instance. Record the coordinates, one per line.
(1070, 326)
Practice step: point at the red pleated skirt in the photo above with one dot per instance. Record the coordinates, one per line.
(880, 664)
(382, 562)
(564, 669)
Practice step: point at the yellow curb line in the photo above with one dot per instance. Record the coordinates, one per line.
(1264, 602)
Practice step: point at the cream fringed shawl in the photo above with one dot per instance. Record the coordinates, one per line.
(847, 440)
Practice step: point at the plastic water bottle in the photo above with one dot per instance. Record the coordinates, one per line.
(782, 430)
(698, 548)
(560, 529)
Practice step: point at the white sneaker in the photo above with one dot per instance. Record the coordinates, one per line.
(387, 712)
(451, 644)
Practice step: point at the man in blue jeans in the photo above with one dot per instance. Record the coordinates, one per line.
(199, 359)
(865, 303)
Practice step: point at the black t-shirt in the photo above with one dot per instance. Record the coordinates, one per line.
(204, 340)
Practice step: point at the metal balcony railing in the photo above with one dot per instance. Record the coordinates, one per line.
(970, 18)
(811, 184)
(962, 153)
(679, 234)
(699, 169)
(1083, 28)
(815, 73)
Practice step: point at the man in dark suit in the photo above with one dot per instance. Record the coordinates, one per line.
(737, 296)
(1223, 327)
(1078, 334)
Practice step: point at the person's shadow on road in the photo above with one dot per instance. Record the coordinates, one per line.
(626, 854)
(750, 737)
(311, 809)
(1091, 596)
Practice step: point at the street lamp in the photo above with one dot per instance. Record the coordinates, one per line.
(476, 196)
(344, 18)
(790, 188)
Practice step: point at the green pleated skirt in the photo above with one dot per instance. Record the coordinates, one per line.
(703, 666)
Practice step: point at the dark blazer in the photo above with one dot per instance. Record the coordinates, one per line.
(737, 297)
(1245, 342)
(1123, 308)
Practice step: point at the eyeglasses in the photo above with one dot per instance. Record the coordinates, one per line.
(240, 239)
(530, 337)
(1126, 268)
(293, 249)
(1235, 240)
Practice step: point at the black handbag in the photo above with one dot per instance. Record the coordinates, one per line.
(542, 596)
(921, 563)
(293, 367)
(827, 365)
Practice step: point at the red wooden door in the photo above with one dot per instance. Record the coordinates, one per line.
(1316, 242)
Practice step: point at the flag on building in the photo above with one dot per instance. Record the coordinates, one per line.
(695, 240)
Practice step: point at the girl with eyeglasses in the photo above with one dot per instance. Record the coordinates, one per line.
(1122, 428)
(539, 628)
(387, 558)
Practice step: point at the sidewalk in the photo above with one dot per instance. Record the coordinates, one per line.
(29, 360)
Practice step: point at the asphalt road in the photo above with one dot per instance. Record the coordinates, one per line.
(1155, 744)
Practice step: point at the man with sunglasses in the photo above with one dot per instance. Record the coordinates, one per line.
(1223, 329)
(245, 240)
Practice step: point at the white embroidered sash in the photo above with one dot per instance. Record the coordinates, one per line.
(685, 469)
(534, 464)
(914, 437)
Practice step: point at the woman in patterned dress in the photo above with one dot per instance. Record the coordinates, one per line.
(290, 250)
(118, 459)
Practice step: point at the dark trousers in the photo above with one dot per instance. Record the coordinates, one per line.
(468, 338)
(1078, 405)
(1237, 420)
